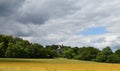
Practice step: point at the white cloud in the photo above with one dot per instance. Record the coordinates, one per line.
(58, 22)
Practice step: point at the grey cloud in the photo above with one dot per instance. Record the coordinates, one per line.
(38, 12)
(99, 40)
(33, 18)
(115, 47)
(16, 29)
(7, 7)
(115, 44)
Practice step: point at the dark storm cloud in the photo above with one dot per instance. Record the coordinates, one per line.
(7, 7)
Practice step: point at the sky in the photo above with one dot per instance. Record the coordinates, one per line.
(94, 31)
(68, 22)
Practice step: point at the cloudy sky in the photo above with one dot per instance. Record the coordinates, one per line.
(68, 22)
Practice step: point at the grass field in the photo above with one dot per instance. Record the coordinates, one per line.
(10, 64)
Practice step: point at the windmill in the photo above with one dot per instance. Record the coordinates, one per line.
(59, 51)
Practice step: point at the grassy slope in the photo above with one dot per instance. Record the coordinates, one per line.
(57, 60)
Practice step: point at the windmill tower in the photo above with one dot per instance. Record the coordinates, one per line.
(59, 50)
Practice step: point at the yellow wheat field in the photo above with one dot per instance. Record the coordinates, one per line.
(37, 66)
(21, 66)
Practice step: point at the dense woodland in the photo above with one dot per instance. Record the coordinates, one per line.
(14, 47)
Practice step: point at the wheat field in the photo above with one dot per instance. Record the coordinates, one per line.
(61, 65)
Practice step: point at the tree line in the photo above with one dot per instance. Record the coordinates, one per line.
(15, 47)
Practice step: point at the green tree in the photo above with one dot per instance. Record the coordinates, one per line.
(87, 53)
(1, 49)
(117, 52)
(34, 51)
(102, 56)
(51, 51)
(69, 53)
(15, 50)
(113, 59)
